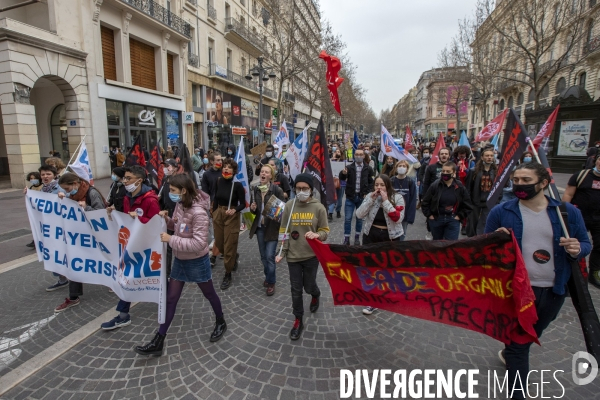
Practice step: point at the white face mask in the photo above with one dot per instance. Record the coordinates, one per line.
(166, 171)
(132, 187)
(401, 170)
(302, 196)
(269, 154)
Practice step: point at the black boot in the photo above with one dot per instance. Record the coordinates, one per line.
(296, 329)
(220, 329)
(154, 348)
(330, 217)
(339, 215)
(594, 278)
(237, 261)
(226, 281)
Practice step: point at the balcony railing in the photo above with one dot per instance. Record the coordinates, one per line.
(161, 14)
(507, 84)
(216, 70)
(289, 97)
(592, 46)
(232, 25)
(193, 60)
(211, 12)
(193, 2)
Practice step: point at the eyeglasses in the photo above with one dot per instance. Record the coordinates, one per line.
(128, 178)
(305, 190)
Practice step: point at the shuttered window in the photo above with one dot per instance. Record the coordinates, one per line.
(108, 53)
(143, 72)
(170, 73)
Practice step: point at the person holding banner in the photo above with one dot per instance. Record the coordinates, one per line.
(191, 262)
(230, 200)
(142, 203)
(266, 229)
(445, 204)
(535, 223)
(479, 185)
(306, 218)
(88, 198)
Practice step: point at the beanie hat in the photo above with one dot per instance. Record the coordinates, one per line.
(119, 171)
(306, 178)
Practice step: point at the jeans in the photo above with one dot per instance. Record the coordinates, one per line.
(444, 227)
(303, 274)
(123, 306)
(547, 305)
(404, 228)
(351, 205)
(338, 205)
(267, 254)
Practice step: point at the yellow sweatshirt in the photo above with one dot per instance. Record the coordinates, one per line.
(306, 217)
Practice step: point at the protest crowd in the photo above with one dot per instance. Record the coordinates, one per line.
(288, 195)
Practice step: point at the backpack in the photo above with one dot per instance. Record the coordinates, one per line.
(582, 175)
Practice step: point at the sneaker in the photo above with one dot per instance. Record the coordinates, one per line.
(338, 215)
(226, 281)
(57, 286)
(31, 245)
(418, 205)
(270, 289)
(314, 304)
(242, 227)
(594, 278)
(369, 310)
(210, 246)
(428, 236)
(346, 240)
(501, 356)
(116, 322)
(296, 329)
(67, 304)
(357, 240)
(463, 231)
(330, 217)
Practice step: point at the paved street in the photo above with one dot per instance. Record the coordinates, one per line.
(256, 358)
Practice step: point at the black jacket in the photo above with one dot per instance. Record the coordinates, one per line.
(116, 195)
(432, 173)
(367, 178)
(209, 182)
(271, 227)
(431, 202)
(473, 183)
(164, 201)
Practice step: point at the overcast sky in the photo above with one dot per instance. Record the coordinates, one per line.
(392, 42)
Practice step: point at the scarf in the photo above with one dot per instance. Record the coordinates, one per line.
(263, 188)
(82, 192)
(50, 186)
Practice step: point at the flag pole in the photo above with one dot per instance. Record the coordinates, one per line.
(76, 150)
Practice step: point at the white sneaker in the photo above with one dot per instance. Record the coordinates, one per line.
(369, 310)
(210, 246)
(242, 227)
(428, 236)
(501, 356)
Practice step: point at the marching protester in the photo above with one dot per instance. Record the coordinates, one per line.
(191, 262)
(405, 186)
(57, 163)
(463, 163)
(434, 172)
(382, 213)
(229, 201)
(414, 168)
(527, 156)
(534, 220)
(425, 157)
(170, 168)
(142, 203)
(280, 179)
(388, 166)
(49, 184)
(359, 179)
(117, 191)
(88, 198)
(583, 191)
(209, 186)
(266, 229)
(35, 181)
(479, 185)
(445, 204)
(308, 220)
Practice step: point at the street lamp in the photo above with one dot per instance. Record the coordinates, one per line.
(263, 74)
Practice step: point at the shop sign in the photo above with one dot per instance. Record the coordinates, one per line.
(238, 130)
(188, 118)
(146, 117)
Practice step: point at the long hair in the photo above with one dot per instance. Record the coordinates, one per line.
(387, 169)
(69, 178)
(183, 181)
(480, 166)
(391, 193)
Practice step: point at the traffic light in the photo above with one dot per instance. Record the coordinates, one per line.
(275, 112)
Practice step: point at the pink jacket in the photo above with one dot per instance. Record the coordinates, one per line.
(190, 239)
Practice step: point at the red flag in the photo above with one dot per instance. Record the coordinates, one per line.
(319, 166)
(409, 143)
(154, 167)
(441, 143)
(333, 80)
(479, 284)
(546, 129)
(136, 154)
(492, 128)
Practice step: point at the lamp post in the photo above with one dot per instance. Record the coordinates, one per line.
(263, 74)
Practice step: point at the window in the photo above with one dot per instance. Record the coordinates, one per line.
(194, 95)
(244, 67)
(211, 52)
(229, 60)
(561, 85)
(143, 72)
(501, 104)
(582, 79)
(108, 53)
(510, 102)
(227, 11)
(520, 99)
(170, 76)
(531, 96)
(545, 92)
(590, 31)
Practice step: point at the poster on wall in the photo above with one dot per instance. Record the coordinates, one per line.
(172, 127)
(574, 138)
(249, 113)
(218, 107)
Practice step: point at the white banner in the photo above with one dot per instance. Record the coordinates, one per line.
(81, 165)
(337, 166)
(297, 152)
(88, 247)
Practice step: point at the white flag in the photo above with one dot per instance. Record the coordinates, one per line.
(81, 166)
(297, 152)
(242, 174)
(282, 139)
(389, 148)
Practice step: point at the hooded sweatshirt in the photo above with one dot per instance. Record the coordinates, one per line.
(306, 217)
(190, 238)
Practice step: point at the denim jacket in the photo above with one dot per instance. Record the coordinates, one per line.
(508, 215)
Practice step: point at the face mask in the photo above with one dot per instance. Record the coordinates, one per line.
(73, 192)
(302, 196)
(334, 148)
(114, 178)
(595, 170)
(359, 159)
(401, 170)
(426, 155)
(205, 160)
(525, 192)
(34, 182)
(131, 188)
(390, 163)
(527, 159)
(269, 154)
(446, 177)
(198, 154)
(218, 165)
(227, 175)
(166, 171)
(367, 152)
(175, 198)
(230, 152)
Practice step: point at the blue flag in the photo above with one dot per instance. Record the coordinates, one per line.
(495, 142)
(464, 141)
(354, 143)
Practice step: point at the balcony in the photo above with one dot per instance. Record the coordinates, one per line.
(592, 46)
(192, 2)
(240, 35)
(507, 85)
(161, 14)
(230, 76)
(211, 13)
(193, 60)
(289, 97)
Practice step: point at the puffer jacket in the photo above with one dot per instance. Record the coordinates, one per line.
(369, 207)
(190, 226)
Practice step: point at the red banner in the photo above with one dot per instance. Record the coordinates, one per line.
(479, 284)
(435, 155)
(492, 128)
(546, 129)
(136, 154)
(334, 65)
(408, 139)
(154, 167)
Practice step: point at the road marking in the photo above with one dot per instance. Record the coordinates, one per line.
(19, 262)
(36, 363)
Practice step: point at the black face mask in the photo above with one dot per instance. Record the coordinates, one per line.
(526, 192)
(446, 177)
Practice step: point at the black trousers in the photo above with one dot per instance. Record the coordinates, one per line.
(303, 275)
(377, 235)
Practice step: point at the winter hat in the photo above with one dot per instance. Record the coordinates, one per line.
(119, 171)
(306, 178)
